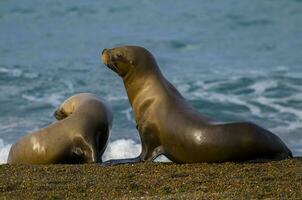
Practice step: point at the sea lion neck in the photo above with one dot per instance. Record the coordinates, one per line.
(136, 83)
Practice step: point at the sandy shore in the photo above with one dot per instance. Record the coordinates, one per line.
(274, 180)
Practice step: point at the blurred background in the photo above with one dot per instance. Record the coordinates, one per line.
(233, 60)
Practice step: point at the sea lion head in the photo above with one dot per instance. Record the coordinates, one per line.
(127, 60)
(65, 109)
(71, 104)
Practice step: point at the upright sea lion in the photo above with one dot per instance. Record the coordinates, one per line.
(168, 125)
(80, 136)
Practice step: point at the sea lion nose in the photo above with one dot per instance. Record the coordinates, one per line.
(56, 114)
(59, 115)
(104, 51)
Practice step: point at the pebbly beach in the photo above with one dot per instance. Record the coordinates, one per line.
(271, 180)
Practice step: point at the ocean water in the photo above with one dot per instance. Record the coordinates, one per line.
(233, 60)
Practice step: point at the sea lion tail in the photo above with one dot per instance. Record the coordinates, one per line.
(288, 153)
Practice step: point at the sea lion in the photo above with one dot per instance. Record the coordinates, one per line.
(80, 135)
(168, 125)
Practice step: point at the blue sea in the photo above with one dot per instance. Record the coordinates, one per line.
(232, 60)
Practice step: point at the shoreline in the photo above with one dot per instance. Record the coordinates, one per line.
(275, 180)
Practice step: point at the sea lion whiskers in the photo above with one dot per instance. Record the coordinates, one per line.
(112, 65)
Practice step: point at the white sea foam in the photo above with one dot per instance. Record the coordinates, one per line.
(18, 73)
(69, 85)
(271, 103)
(4, 150)
(183, 88)
(230, 99)
(13, 123)
(122, 148)
(54, 99)
(11, 72)
(3, 70)
(162, 158)
(295, 97)
(262, 86)
(285, 131)
(126, 148)
(111, 97)
(212, 85)
(128, 113)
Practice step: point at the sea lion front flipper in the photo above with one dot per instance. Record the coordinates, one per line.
(121, 161)
(77, 155)
(156, 152)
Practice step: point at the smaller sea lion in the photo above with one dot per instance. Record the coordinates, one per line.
(80, 135)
